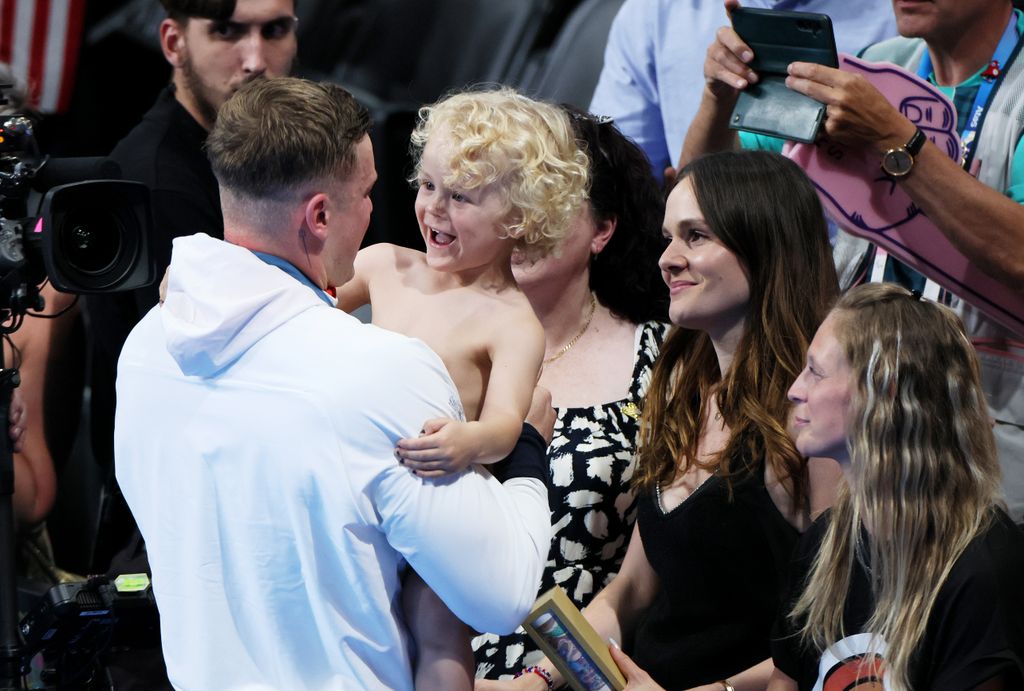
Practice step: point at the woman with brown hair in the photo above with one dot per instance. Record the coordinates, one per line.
(723, 493)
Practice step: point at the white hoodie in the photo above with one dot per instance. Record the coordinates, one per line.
(254, 443)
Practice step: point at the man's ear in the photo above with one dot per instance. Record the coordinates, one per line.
(172, 42)
(316, 216)
(603, 234)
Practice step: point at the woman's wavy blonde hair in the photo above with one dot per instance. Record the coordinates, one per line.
(525, 147)
(924, 476)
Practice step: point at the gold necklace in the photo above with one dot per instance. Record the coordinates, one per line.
(572, 341)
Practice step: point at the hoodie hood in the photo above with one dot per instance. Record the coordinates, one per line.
(221, 300)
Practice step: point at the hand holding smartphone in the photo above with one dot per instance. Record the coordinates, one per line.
(777, 38)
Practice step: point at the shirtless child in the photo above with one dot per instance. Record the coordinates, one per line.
(496, 172)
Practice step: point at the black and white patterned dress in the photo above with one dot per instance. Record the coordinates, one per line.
(591, 461)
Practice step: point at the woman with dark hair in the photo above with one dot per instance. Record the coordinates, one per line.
(602, 304)
(913, 579)
(723, 492)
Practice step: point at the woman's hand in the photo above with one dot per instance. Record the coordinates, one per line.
(527, 682)
(636, 678)
(541, 415)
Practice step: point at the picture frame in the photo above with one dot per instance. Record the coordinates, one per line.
(571, 643)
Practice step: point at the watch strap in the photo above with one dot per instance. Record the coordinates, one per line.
(916, 142)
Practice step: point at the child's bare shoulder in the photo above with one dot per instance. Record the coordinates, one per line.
(384, 256)
(511, 313)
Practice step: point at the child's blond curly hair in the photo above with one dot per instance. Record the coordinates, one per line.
(524, 146)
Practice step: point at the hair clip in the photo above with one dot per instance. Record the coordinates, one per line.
(599, 120)
(916, 294)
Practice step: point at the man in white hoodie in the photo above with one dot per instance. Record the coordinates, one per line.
(256, 425)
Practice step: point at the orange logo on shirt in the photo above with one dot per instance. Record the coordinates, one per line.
(862, 672)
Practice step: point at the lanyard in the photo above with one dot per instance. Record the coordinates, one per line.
(989, 80)
(931, 291)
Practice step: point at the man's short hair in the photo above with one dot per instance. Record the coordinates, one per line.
(274, 135)
(181, 10)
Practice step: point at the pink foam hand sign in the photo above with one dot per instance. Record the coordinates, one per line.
(865, 202)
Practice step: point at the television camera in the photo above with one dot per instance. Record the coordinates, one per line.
(69, 222)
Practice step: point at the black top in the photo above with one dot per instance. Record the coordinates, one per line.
(975, 631)
(721, 561)
(164, 151)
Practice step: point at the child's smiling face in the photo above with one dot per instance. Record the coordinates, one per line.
(462, 229)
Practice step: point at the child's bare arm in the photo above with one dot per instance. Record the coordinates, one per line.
(448, 446)
(369, 263)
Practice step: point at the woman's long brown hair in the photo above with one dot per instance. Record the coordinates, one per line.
(763, 208)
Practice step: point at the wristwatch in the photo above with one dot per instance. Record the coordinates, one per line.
(896, 163)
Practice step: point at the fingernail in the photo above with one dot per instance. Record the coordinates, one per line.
(615, 643)
(741, 83)
(747, 56)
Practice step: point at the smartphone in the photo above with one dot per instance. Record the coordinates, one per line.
(777, 38)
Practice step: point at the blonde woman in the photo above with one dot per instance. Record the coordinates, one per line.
(913, 580)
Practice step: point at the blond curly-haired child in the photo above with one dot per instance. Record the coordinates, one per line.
(497, 172)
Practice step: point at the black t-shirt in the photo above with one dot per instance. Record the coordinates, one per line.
(721, 559)
(975, 631)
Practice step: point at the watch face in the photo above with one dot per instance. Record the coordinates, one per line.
(897, 162)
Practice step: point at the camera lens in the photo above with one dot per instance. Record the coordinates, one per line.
(93, 236)
(94, 248)
(91, 240)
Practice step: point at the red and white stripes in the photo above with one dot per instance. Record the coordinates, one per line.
(40, 39)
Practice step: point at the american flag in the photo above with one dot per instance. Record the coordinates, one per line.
(39, 39)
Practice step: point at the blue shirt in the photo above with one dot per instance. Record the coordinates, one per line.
(653, 74)
(294, 272)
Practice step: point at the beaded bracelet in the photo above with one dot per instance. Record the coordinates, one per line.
(540, 672)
